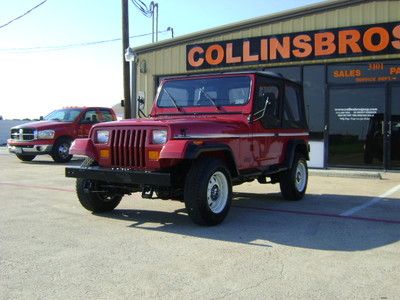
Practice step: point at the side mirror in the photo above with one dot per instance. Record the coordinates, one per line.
(41, 118)
(140, 101)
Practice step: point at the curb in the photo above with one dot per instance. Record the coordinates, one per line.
(346, 174)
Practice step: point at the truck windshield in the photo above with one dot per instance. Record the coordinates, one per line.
(214, 91)
(63, 115)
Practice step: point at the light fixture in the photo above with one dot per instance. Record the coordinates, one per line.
(130, 55)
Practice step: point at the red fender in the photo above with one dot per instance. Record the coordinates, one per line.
(83, 147)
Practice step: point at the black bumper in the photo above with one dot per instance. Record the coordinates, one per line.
(120, 176)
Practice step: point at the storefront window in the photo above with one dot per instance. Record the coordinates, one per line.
(356, 128)
(292, 73)
(314, 98)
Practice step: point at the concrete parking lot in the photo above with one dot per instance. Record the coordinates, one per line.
(340, 242)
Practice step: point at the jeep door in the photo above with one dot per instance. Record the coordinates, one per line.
(267, 120)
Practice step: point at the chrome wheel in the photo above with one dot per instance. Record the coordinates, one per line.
(217, 192)
(63, 150)
(300, 176)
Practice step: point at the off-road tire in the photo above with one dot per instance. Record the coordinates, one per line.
(26, 157)
(208, 180)
(60, 151)
(92, 201)
(293, 182)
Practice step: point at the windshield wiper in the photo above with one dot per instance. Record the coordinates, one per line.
(172, 100)
(208, 97)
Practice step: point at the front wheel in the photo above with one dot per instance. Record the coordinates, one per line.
(60, 152)
(293, 182)
(92, 197)
(208, 191)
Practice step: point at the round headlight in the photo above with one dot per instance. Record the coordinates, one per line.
(102, 136)
(159, 136)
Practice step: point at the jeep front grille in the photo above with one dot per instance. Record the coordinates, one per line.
(128, 148)
(23, 134)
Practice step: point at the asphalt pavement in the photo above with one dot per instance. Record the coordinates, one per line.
(340, 242)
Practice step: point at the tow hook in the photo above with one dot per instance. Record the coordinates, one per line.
(147, 192)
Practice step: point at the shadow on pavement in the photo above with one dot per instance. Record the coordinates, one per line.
(265, 220)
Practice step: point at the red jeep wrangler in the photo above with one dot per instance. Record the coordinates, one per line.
(54, 134)
(204, 134)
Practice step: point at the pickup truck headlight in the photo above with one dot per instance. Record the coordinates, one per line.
(102, 136)
(45, 134)
(159, 136)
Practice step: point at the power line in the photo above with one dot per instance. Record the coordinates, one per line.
(146, 11)
(24, 14)
(67, 46)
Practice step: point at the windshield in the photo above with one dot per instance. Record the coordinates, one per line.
(220, 91)
(63, 115)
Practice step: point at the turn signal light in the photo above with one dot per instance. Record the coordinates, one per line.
(104, 153)
(154, 155)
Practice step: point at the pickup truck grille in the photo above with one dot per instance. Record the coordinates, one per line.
(23, 134)
(128, 148)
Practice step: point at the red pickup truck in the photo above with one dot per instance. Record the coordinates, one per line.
(54, 134)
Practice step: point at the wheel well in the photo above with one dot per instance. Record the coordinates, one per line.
(225, 156)
(64, 137)
(302, 148)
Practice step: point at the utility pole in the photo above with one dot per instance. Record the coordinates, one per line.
(125, 45)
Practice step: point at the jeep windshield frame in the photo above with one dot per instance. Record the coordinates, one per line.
(204, 92)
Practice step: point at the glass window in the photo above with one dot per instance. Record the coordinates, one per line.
(63, 115)
(107, 116)
(356, 116)
(266, 103)
(210, 91)
(91, 116)
(314, 99)
(292, 108)
(292, 73)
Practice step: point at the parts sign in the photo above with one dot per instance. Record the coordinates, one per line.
(376, 39)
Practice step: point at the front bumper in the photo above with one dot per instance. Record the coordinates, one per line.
(30, 149)
(120, 176)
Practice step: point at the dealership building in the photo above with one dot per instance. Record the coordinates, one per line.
(346, 55)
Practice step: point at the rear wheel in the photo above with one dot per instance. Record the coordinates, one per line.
(26, 157)
(92, 197)
(208, 191)
(293, 182)
(60, 152)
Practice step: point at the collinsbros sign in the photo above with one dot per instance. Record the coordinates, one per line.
(353, 41)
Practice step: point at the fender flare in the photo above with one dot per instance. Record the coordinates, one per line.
(193, 151)
(291, 150)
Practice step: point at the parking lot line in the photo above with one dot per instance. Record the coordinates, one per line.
(371, 202)
(36, 187)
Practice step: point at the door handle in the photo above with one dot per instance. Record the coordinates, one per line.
(390, 128)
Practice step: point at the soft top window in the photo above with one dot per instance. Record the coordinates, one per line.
(216, 91)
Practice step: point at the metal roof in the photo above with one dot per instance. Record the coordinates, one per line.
(276, 17)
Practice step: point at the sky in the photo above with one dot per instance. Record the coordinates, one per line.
(33, 82)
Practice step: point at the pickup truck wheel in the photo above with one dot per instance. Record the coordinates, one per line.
(293, 182)
(89, 195)
(208, 191)
(26, 157)
(60, 152)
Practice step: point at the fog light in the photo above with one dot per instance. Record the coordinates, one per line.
(154, 155)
